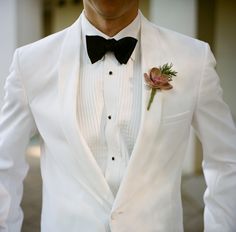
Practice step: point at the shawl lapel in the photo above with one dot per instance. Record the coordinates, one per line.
(88, 172)
(152, 54)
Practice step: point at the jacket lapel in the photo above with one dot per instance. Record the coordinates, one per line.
(86, 169)
(152, 54)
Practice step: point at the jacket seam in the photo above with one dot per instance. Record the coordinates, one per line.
(201, 79)
(26, 99)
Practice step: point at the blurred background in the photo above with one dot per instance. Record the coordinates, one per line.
(25, 21)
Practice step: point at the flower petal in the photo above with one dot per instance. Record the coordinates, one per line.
(157, 80)
(166, 87)
(147, 79)
(155, 72)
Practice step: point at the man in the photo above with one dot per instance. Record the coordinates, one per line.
(108, 163)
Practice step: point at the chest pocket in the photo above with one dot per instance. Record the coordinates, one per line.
(176, 118)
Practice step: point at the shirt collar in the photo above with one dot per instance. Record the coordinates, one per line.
(132, 30)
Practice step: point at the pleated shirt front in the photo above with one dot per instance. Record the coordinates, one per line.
(109, 104)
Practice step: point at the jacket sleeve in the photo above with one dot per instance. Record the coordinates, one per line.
(216, 130)
(16, 128)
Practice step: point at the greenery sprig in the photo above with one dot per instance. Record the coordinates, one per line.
(167, 70)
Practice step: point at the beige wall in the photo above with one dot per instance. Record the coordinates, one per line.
(178, 15)
(29, 21)
(144, 5)
(65, 16)
(20, 24)
(7, 39)
(225, 49)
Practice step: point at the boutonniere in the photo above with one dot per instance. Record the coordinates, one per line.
(159, 78)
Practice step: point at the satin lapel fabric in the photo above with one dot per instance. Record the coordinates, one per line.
(150, 120)
(68, 82)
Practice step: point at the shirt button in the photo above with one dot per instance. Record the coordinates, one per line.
(109, 117)
(113, 158)
(110, 73)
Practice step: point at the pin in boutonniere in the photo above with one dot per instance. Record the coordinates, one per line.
(159, 78)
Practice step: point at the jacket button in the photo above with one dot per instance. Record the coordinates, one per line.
(113, 216)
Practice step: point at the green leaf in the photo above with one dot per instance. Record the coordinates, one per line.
(167, 70)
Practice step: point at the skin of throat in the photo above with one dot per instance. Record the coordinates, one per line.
(110, 17)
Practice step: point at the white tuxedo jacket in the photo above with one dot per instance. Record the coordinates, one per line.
(41, 97)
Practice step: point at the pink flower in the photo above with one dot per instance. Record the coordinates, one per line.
(157, 80)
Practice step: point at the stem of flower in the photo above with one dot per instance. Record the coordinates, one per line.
(151, 98)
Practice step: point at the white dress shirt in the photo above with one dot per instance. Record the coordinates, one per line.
(109, 104)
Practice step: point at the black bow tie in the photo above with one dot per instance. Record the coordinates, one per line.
(97, 47)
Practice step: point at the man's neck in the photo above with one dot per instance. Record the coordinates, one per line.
(109, 26)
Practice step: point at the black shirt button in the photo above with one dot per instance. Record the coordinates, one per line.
(113, 158)
(110, 73)
(109, 117)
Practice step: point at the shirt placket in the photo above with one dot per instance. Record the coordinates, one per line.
(111, 100)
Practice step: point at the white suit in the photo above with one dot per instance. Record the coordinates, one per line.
(41, 96)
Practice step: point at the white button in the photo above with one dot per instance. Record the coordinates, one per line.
(113, 216)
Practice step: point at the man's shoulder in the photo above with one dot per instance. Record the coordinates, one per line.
(41, 54)
(174, 38)
(174, 46)
(179, 38)
(46, 45)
